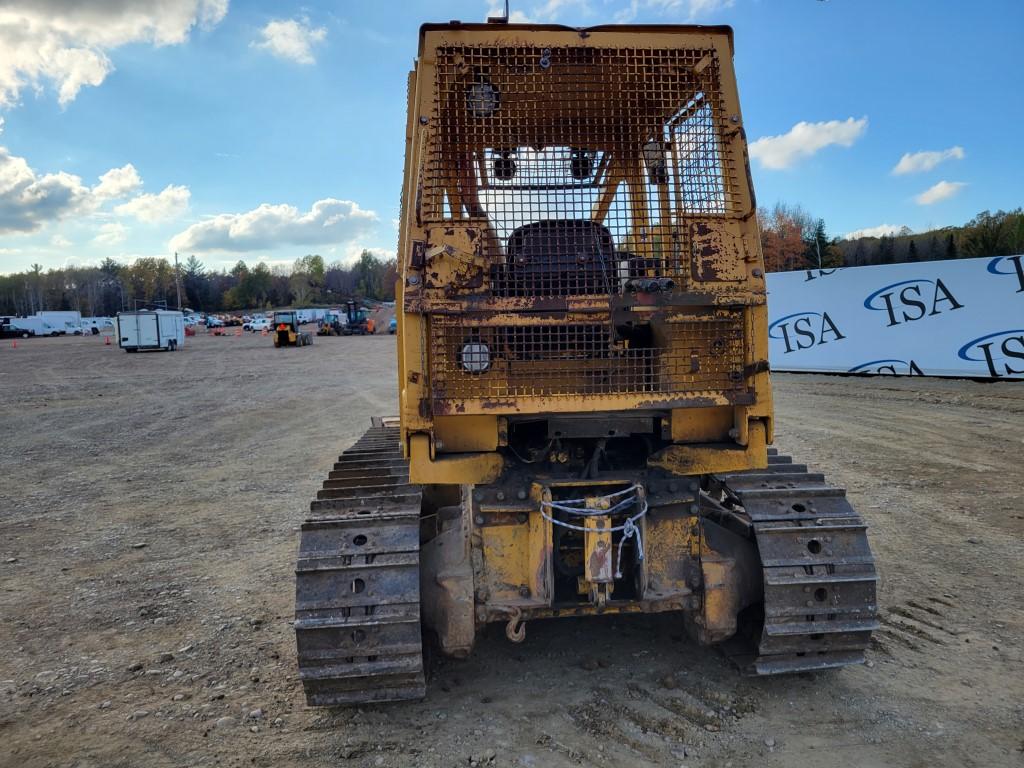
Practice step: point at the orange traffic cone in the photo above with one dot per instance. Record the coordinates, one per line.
(238, 331)
(14, 344)
(106, 341)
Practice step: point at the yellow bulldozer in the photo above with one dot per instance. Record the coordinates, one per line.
(585, 408)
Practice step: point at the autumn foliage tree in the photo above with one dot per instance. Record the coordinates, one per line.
(791, 239)
(782, 237)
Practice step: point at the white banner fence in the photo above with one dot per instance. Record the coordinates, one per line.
(962, 317)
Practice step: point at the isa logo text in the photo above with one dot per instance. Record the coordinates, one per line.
(910, 300)
(803, 330)
(1002, 352)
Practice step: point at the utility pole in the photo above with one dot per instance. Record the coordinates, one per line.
(177, 279)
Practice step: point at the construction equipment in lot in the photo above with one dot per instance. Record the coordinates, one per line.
(286, 331)
(585, 402)
(331, 324)
(358, 320)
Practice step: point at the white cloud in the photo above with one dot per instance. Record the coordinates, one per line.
(63, 43)
(291, 39)
(28, 200)
(880, 231)
(353, 250)
(943, 190)
(111, 234)
(118, 182)
(685, 10)
(168, 204)
(270, 226)
(919, 162)
(805, 139)
(59, 241)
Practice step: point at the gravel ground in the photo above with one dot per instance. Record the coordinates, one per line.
(148, 513)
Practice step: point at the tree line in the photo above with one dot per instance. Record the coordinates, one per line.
(112, 286)
(792, 239)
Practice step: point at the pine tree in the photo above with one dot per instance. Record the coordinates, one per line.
(196, 284)
(194, 267)
(912, 252)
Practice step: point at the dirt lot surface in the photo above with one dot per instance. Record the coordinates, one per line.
(148, 513)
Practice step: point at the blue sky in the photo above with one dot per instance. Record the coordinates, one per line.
(267, 130)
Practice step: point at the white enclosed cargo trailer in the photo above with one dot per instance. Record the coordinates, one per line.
(150, 329)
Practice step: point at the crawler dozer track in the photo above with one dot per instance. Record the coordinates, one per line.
(357, 596)
(819, 576)
(357, 600)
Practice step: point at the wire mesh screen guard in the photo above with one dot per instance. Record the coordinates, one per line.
(477, 359)
(585, 166)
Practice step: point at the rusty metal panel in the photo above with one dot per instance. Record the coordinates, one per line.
(505, 358)
(572, 196)
(576, 170)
